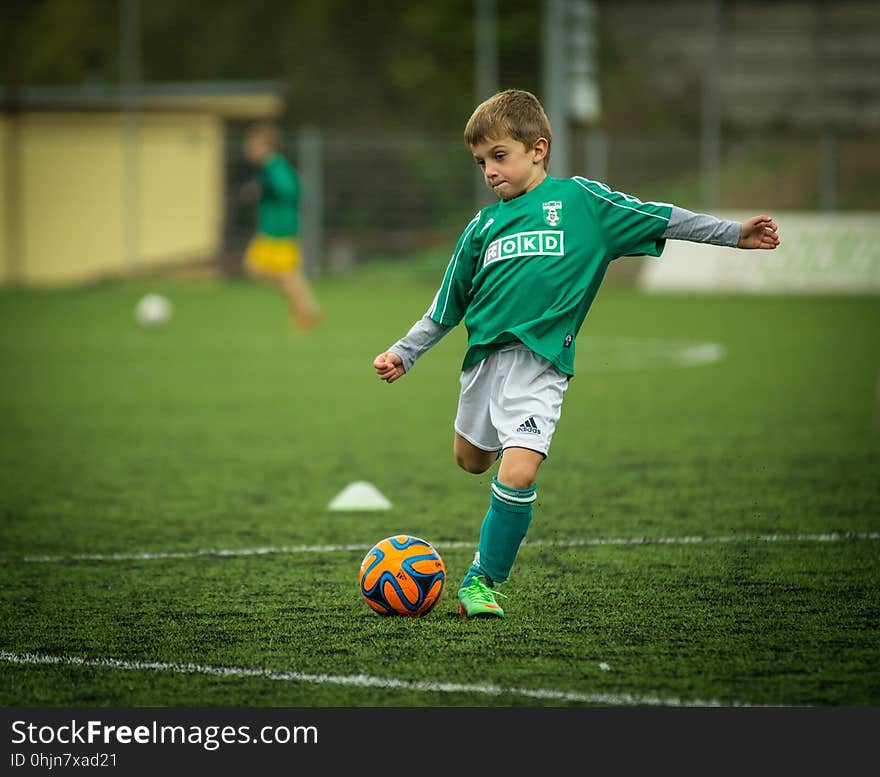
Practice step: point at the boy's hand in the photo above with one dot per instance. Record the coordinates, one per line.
(758, 232)
(389, 366)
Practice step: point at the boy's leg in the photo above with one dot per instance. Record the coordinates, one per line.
(519, 468)
(476, 445)
(255, 272)
(471, 458)
(525, 400)
(303, 304)
(508, 517)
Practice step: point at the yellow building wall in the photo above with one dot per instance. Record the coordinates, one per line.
(99, 199)
(181, 188)
(70, 209)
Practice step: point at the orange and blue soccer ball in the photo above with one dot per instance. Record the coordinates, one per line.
(402, 575)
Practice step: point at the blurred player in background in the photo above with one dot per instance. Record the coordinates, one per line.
(273, 254)
(523, 275)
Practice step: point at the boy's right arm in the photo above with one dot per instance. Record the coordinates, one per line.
(400, 357)
(389, 366)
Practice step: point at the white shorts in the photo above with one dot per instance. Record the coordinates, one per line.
(511, 399)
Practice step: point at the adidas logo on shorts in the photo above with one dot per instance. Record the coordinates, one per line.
(529, 426)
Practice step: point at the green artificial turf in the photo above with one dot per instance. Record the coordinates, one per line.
(226, 431)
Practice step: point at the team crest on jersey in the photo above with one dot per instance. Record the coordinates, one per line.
(552, 214)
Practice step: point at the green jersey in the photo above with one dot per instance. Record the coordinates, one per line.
(528, 269)
(277, 213)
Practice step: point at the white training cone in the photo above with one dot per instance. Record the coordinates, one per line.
(359, 496)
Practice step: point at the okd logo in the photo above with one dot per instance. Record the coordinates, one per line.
(544, 242)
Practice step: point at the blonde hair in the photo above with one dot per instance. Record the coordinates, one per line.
(512, 113)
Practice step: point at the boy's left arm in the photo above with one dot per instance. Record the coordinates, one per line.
(755, 232)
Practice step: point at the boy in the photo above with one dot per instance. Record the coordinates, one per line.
(523, 276)
(273, 253)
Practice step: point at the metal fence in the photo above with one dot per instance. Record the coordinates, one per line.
(394, 195)
(710, 104)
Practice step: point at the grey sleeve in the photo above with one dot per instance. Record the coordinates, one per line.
(424, 334)
(701, 228)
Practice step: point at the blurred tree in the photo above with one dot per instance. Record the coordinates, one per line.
(344, 63)
(60, 41)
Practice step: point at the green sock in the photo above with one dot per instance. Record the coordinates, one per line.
(503, 529)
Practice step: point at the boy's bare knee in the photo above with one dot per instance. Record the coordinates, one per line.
(518, 478)
(471, 465)
(519, 467)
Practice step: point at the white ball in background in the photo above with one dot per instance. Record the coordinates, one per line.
(153, 311)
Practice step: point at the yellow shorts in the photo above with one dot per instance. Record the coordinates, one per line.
(272, 255)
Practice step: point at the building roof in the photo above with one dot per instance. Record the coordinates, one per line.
(230, 99)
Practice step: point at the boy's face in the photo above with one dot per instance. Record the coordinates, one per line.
(509, 167)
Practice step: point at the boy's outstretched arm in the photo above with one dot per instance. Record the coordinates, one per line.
(755, 232)
(400, 357)
(758, 232)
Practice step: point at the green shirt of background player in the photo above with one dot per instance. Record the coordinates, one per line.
(278, 208)
(522, 277)
(273, 254)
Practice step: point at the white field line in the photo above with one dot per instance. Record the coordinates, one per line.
(598, 541)
(366, 681)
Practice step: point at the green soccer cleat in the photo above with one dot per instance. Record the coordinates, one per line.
(477, 600)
